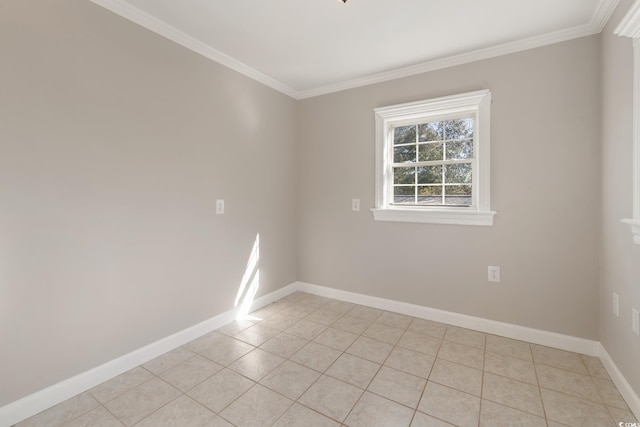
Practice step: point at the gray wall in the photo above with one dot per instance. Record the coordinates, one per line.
(620, 258)
(545, 172)
(115, 143)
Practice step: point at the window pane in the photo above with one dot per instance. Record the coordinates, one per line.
(430, 174)
(458, 128)
(404, 135)
(404, 153)
(430, 132)
(404, 175)
(429, 152)
(457, 150)
(430, 195)
(404, 195)
(458, 173)
(459, 195)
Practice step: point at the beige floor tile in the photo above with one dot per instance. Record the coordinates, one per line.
(218, 422)
(299, 310)
(398, 386)
(568, 382)
(609, 393)
(182, 412)
(284, 345)
(336, 338)
(457, 376)
(98, 417)
(509, 347)
(205, 342)
(621, 415)
(419, 342)
(279, 321)
(141, 401)
(511, 367)
(352, 324)
(168, 360)
(331, 397)
(221, 389)
(574, 411)
(306, 329)
(495, 415)
(324, 316)
(257, 408)
(366, 313)
(226, 350)
(424, 420)
(595, 367)
(256, 364)
(515, 394)
(269, 310)
(465, 336)
(341, 307)
(410, 361)
(384, 333)
(453, 406)
(190, 373)
(299, 415)
(353, 370)
(290, 379)
(394, 319)
(316, 356)
(558, 358)
(121, 384)
(375, 411)
(428, 327)
(370, 349)
(257, 335)
(235, 327)
(462, 354)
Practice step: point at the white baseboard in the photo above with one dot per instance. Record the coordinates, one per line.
(57, 393)
(39, 401)
(627, 392)
(536, 336)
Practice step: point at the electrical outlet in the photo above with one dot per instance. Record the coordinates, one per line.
(219, 206)
(493, 274)
(635, 321)
(355, 205)
(616, 305)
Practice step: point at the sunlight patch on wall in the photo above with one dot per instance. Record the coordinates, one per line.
(250, 282)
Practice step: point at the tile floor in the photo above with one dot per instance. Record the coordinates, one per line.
(311, 361)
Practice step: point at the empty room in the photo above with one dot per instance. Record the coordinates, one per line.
(319, 213)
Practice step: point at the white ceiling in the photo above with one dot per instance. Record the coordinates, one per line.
(310, 47)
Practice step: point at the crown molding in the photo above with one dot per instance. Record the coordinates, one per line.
(121, 7)
(150, 22)
(629, 26)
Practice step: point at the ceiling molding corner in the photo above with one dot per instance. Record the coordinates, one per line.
(629, 26)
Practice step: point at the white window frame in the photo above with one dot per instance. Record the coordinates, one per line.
(630, 27)
(476, 104)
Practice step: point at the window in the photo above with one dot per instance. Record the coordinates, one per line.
(432, 161)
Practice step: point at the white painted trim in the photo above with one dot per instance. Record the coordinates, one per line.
(39, 401)
(132, 13)
(627, 392)
(523, 333)
(126, 10)
(432, 216)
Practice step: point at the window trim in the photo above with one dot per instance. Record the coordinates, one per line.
(474, 103)
(630, 27)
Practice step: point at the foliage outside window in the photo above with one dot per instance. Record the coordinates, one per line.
(433, 161)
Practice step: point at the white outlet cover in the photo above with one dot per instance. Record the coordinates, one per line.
(616, 305)
(219, 206)
(493, 274)
(355, 205)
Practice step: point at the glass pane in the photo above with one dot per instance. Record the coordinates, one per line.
(429, 152)
(458, 128)
(458, 173)
(457, 150)
(404, 195)
(459, 195)
(430, 132)
(430, 195)
(404, 175)
(404, 153)
(404, 135)
(430, 174)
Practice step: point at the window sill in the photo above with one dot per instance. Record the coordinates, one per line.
(435, 216)
(635, 229)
